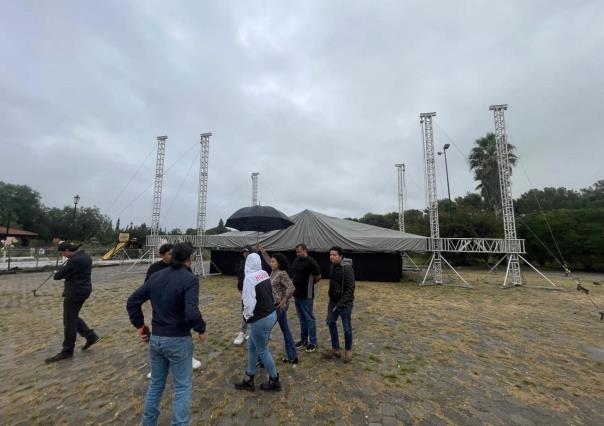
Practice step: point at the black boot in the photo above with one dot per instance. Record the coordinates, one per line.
(246, 384)
(58, 357)
(91, 339)
(273, 384)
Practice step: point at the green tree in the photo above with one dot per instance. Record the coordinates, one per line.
(483, 162)
(20, 207)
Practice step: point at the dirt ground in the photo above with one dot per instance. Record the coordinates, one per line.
(430, 356)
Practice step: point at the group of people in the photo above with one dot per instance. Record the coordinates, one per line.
(173, 290)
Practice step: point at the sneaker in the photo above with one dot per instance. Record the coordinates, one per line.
(273, 384)
(259, 364)
(90, 340)
(311, 348)
(246, 384)
(239, 339)
(347, 356)
(300, 344)
(287, 361)
(196, 364)
(58, 357)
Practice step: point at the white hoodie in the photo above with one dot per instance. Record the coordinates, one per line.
(254, 274)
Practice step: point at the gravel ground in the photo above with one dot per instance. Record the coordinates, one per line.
(433, 355)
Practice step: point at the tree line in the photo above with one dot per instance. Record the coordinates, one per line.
(560, 225)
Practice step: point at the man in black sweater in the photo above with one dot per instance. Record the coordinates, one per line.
(341, 298)
(78, 286)
(305, 273)
(174, 295)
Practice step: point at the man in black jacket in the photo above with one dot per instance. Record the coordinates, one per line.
(165, 253)
(341, 298)
(77, 289)
(174, 295)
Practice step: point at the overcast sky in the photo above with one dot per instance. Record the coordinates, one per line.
(321, 97)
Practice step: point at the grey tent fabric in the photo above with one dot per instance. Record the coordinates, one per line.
(321, 232)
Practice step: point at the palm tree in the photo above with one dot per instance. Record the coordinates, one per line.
(483, 162)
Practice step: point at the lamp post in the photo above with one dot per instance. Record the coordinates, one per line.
(444, 151)
(76, 199)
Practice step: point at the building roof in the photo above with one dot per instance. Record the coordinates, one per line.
(14, 232)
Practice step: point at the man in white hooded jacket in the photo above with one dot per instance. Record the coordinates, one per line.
(259, 313)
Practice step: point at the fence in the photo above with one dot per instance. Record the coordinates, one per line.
(40, 259)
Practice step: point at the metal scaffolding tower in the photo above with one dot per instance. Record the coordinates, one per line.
(401, 196)
(202, 203)
(157, 188)
(507, 202)
(401, 215)
(159, 179)
(512, 274)
(436, 261)
(255, 188)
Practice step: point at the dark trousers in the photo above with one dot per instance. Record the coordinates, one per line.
(72, 323)
(332, 317)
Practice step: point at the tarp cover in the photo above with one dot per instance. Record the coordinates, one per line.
(321, 232)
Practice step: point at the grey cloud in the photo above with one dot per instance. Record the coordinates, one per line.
(322, 98)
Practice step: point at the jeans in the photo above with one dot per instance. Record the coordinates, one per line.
(257, 345)
(165, 354)
(290, 346)
(72, 322)
(308, 324)
(332, 318)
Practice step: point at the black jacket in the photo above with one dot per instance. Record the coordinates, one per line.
(240, 269)
(341, 285)
(76, 273)
(174, 295)
(156, 267)
(265, 303)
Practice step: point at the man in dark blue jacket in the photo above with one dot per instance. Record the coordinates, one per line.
(78, 286)
(174, 295)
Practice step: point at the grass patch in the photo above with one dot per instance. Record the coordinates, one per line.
(375, 358)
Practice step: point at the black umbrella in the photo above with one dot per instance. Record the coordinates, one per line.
(259, 219)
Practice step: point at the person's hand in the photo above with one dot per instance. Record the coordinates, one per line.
(201, 337)
(144, 333)
(282, 305)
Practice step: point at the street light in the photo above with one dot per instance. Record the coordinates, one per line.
(76, 199)
(444, 151)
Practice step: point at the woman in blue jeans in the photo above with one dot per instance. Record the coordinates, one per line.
(283, 291)
(259, 312)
